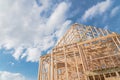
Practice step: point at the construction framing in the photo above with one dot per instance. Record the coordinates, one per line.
(83, 53)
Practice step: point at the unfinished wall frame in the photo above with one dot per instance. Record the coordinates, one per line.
(83, 53)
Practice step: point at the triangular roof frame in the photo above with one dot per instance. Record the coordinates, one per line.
(80, 33)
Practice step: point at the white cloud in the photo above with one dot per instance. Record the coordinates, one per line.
(114, 11)
(4, 75)
(33, 54)
(22, 27)
(97, 9)
(58, 16)
(18, 52)
(61, 31)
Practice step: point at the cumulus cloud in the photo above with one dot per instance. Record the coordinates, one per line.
(58, 16)
(97, 9)
(24, 29)
(114, 11)
(17, 53)
(4, 75)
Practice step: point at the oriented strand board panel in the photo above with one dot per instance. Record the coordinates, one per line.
(83, 53)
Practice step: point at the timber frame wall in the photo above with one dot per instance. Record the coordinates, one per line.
(83, 53)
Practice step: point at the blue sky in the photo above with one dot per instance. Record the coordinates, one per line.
(30, 28)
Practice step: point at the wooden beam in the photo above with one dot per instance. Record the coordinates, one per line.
(66, 67)
(76, 63)
(52, 67)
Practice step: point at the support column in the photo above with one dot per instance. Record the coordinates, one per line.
(40, 69)
(49, 71)
(76, 63)
(56, 73)
(66, 68)
(81, 57)
(52, 67)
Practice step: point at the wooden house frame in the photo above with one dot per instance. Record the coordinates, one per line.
(83, 53)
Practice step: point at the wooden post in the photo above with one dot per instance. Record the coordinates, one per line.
(49, 71)
(52, 67)
(66, 68)
(112, 61)
(40, 69)
(83, 64)
(56, 69)
(93, 77)
(76, 63)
